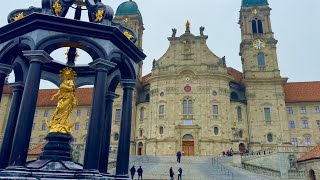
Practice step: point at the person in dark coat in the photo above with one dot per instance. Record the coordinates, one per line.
(171, 174)
(140, 171)
(178, 156)
(132, 171)
(180, 173)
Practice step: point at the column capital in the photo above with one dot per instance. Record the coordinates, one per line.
(102, 65)
(18, 86)
(38, 56)
(128, 83)
(5, 69)
(111, 95)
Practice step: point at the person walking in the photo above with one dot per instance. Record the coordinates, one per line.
(171, 174)
(132, 171)
(178, 156)
(140, 171)
(180, 173)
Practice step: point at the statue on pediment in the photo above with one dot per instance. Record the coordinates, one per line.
(201, 30)
(174, 32)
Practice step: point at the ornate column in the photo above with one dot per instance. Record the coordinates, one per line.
(106, 132)
(22, 134)
(5, 70)
(94, 137)
(125, 127)
(11, 124)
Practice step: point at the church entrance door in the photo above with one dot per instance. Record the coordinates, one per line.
(188, 145)
(188, 148)
(140, 148)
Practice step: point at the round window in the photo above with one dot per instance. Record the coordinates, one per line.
(187, 88)
(162, 94)
(214, 93)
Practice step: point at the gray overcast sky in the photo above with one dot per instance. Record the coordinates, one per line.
(295, 23)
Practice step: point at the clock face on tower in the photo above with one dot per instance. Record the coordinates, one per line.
(259, 44)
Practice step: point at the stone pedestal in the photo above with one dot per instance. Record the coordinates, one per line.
(55, 162)
(57, 147)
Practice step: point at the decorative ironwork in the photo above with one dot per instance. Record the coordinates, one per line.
(67, 57)
(128, 35)
(18, 16)
(57, 7)
(99, 15)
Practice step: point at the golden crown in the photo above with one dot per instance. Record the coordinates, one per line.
(67, 72)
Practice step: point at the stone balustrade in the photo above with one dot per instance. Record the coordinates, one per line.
(261, 170)
(296, 174)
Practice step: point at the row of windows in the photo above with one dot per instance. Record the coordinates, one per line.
(303, 109)
(187, 110)
(307, 141)
(44, 126)
(46, 113)
(305, 124)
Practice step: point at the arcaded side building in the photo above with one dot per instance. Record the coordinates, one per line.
(193, 103)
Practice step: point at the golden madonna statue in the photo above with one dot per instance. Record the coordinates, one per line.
(60, 122)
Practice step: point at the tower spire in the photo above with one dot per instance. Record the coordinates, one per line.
(187, 26)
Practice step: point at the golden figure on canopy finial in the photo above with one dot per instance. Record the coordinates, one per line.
(60, 122)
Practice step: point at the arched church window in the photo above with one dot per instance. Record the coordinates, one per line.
(161, 130)
(269, 137)
(254, 27)
(141, 114)
(187, 107)
(140, 132)
(260, 29)
(261, 59)
(239, 113)
(216, 130)
(257, 26)
(234, 96)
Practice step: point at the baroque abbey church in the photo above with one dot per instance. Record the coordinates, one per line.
(193, 103)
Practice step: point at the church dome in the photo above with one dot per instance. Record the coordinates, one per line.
(254, 2)
(127, 8)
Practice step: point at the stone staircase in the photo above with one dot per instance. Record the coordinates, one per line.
(194, 168)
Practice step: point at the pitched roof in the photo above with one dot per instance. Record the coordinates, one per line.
(145, 79)
(238, 76)
(312, 154)
(7, 89)
(36, 150)
(84, 96)
(302, 92)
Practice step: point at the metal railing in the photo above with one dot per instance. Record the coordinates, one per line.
(223, 169)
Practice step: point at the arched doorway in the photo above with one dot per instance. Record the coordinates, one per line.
(140, 148)
(242, 148)
(312, 175)
(187, 145)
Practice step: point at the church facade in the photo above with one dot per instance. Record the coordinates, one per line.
(193, 103)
